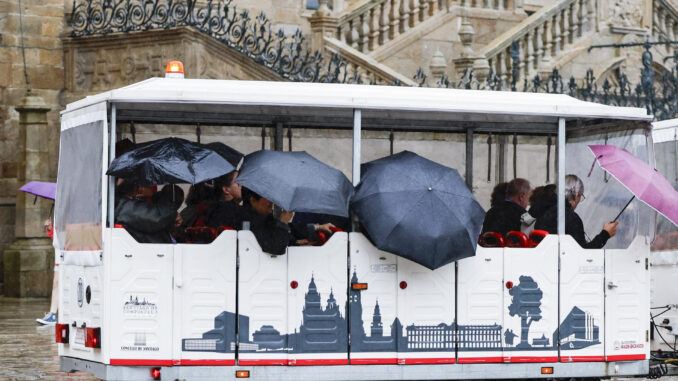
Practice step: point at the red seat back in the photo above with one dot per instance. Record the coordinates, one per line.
(536, 236)
(516, 239)
(491, 239)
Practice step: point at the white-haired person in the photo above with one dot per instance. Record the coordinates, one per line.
(574, 194)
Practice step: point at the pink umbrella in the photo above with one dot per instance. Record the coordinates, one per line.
(643, 181)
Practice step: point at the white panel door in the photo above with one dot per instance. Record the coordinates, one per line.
(480, 307)
(531, 302)
(262, 304)
(582, 300)
(627, 302)
(426, 311)
(316, 306)
(374, 328)
(141, 302)
(204, 290)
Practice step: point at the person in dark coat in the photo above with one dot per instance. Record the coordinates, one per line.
(541, 199)
(146, 222)
(227, 211)
(506, 215)
(273, 235)
(574, 194)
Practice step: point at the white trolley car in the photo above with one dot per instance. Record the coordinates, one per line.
(227, 310)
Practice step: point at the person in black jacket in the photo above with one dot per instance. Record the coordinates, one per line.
(227, 211)
(146, 222)
(506, 213)
(574, 194)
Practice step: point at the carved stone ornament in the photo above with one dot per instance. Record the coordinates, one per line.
(627, 13)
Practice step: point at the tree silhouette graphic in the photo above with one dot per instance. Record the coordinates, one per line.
(526, 303)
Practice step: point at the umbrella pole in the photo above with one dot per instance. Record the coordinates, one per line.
(622, 211)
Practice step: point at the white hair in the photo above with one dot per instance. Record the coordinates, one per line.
(573, 187)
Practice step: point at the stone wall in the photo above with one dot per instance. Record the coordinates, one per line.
(43, 25)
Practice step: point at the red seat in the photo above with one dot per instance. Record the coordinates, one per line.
(323, 236)
(536, 236)
(516, 239)
(491, 239)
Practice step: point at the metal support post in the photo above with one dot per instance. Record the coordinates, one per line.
(469, 159)
(357, 134)
(561, 176)
(111, 179)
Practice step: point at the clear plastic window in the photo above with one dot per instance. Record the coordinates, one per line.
(78, 198)
(604, 196)
(666, 156)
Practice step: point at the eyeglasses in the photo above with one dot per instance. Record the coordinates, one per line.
(582, 197)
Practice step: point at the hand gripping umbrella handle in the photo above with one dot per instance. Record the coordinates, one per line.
(622, 211)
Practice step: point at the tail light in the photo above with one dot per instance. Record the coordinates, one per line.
(242, 374)
(61, 333)
(155, 373)
(359, 286)
(93, 337)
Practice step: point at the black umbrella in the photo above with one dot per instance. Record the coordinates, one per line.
(418, 209)
(170, 160)
(231, 155)
(296, 181)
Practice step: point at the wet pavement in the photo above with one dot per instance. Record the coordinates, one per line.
(27, 349)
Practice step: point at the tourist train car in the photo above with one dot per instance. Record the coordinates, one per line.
(664, 259)
(347, 310)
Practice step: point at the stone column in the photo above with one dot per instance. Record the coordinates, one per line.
(323, 23)
(29, 261)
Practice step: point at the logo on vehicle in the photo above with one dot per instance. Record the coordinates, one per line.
(81, 292)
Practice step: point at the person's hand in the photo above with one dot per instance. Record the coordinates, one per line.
(178, 221)
(611, 228)
(286, 216)
(325, 228)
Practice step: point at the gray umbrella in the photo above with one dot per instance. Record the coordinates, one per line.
(418, 209)
(296, 181)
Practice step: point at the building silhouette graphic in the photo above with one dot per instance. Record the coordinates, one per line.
(324, 329)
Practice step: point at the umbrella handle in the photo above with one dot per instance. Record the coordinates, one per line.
(622, 211)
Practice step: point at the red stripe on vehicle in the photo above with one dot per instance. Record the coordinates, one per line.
(373, 361)
(319, 362)
(626, 357)
(581, 358)
(410, 361)
(262, 362)
(479, 360)
(530, 359)
(149, 362)
(207, 362)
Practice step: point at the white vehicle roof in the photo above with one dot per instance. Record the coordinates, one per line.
(665, 130)
(316, 105)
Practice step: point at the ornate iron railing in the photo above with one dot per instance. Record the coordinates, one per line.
(291, 58)
(220, 19)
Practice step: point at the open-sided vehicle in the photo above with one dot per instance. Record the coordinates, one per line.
(346, 310)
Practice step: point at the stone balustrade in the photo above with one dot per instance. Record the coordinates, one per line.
(542, 36)
(373, 23)
(664, 22)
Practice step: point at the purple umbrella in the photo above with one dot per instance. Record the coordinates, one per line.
(40, 188)
(643, 181)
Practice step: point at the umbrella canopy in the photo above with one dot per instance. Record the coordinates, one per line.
(296, 181)
(231, 155)
(170, 160)
(645, 182)
(40, 188)
(418, 209)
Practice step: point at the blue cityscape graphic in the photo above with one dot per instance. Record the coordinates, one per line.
(325, 330)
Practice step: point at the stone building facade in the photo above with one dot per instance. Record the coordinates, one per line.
(382, 40)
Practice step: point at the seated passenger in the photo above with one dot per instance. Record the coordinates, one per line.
(574, 194)
(226, 211)
(145, 222)
(542, 198)
(171, 194)
(273, 234)
(200, 197)
(506, 214)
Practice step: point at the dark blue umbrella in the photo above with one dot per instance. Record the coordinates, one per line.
(170, 160)
(233, 156)
(296, 181)
(418, 209)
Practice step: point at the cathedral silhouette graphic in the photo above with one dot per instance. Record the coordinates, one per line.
(325, 330)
